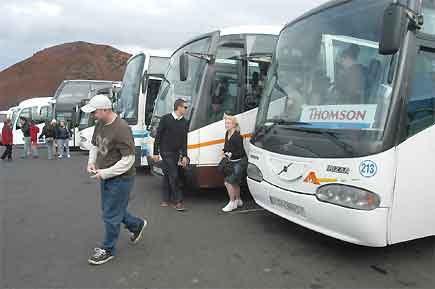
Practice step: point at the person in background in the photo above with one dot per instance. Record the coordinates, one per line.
(25, 128)
(63, 136)
(7, 139)
(49, 132)
(111, 161)
(34, 130)
(233, 149)
(55, 144)
(171, 144)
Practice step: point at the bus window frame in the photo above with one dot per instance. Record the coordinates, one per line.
(425, 43)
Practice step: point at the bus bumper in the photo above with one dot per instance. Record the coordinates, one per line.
(367, 228)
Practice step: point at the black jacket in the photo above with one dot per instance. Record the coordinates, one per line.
(171, 136)
(62, 133)
(26, 129)
(48, 131)
(234, 145)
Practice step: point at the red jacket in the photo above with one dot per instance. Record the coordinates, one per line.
(7, 136)
(34, 130)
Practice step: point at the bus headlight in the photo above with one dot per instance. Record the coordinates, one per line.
(254, 173)
(349, 197)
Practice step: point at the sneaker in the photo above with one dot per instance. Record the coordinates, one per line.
(239, 203)
(180, 207)
(232, 205)
(100, 257)
(135, 237)
(69, 156)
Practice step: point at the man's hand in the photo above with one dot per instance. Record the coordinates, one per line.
(98, 175)
(156, 158)
(185, 162)
(91, 168)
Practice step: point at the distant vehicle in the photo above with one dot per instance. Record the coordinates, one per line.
(38, 109)
(216, 73)
(135, 101)
(67, 99)
(344, 134)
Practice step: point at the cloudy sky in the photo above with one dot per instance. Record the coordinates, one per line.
(28, 26)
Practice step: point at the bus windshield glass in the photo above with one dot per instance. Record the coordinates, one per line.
(328, 89)
(129, 95)
(172, 88)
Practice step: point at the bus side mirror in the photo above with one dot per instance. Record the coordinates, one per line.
(184, 67)
(393, 24)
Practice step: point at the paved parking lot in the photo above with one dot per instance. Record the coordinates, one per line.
(50, 221)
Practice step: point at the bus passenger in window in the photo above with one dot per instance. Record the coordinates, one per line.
(218, 97)
(350, 79)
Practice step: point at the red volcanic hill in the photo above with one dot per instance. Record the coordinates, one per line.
(41, 74)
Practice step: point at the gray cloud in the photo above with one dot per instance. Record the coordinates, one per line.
(31, 25)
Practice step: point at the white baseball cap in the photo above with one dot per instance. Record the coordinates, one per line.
(100, 101)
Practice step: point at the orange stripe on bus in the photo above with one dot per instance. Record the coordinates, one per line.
(213, 142)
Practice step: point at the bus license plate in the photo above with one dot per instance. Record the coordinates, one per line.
(297, 210)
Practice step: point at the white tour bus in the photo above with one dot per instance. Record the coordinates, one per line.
(134, 101)
(216, 73)
(38, 109)
(344, 131)
(67, 99)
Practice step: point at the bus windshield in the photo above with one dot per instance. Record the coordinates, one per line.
(172, 88)
(328, 89)
(129, 94)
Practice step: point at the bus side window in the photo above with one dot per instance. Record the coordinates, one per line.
(223, 96)
(421, 99)
(257, 75)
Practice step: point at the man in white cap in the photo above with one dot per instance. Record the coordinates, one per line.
(111, 160)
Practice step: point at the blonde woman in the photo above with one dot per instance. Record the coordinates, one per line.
(233, 149)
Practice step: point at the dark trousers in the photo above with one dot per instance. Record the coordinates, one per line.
(7, 153)
(171, 182)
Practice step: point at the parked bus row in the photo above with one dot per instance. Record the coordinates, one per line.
(336, 109)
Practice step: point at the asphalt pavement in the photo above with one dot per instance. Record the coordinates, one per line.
(50, 221)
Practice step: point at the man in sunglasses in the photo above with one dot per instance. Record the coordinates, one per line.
(171, 144)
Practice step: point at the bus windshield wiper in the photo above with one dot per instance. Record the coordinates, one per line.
(329, 134)
(271, 123)
(282, 121)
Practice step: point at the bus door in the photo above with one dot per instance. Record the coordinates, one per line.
(222, 97)
(152, 89)
(414, 198)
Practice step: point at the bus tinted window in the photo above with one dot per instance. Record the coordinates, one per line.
(421, 100)
(429, 17)
(225, 83)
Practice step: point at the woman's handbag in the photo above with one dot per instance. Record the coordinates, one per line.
(225, 166)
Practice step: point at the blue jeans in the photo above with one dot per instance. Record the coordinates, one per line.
(171, 182)
(27, 147)
(50, 148)
(115, 194)
(63, 145)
